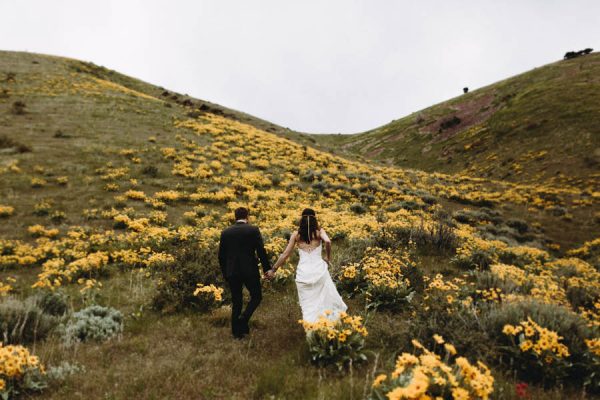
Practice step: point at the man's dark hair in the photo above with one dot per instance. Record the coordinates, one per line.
(241, 213)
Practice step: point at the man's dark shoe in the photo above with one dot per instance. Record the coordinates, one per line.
(243, 326)
(238, 329)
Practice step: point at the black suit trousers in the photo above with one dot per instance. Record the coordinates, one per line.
(236, 284)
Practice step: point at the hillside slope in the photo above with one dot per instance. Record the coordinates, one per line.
(542, 125)
(51, 75)
(79, 117)
(114, 193)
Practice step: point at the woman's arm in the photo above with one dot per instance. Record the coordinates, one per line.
(286, 253)
(327, 241)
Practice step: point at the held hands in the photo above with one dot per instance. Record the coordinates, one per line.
(270, 274)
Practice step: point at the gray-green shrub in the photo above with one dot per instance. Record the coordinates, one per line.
(59, 373)
(92, 323)
(24, 321)
(54, 303)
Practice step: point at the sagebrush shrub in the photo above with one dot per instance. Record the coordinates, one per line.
(358, 208)
(150, 170)
(24, 321)
(520, 225)
(319, 187)
(473, 217)
(439, 237)
(59, 373)
(429, 199)
(486, 280)
(54, 302)
(7, 142)
(92, 323)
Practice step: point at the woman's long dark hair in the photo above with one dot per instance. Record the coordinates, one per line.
(309, 226)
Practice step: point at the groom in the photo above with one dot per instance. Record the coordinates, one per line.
(237, 257)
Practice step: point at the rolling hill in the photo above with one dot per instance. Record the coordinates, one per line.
(113, 194)
(542, 125)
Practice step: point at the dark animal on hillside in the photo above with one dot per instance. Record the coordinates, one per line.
(574, 54)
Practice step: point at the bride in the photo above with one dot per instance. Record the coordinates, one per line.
(316, 291)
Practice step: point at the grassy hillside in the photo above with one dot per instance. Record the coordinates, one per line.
(542, 125)
(113, 193)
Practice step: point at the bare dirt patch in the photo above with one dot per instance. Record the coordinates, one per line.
(470, 113)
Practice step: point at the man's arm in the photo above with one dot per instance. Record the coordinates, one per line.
(222, 253)
(262, 253)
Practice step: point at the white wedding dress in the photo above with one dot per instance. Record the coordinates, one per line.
(316, 291)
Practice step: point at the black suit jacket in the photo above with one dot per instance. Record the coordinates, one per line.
(238, 247)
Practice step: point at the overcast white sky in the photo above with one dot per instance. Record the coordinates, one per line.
(311, 65)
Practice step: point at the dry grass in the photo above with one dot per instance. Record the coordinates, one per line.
(192, 356)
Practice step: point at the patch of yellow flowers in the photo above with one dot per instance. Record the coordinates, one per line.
(157, 259)
(56, 271)
(535, 339)
(335, 339)
(427, 376)
(447, 290)
(5, 288)
(335, 329)
(216, 292)
(135, 195)
(169, 195)
(6, 211)
(549, 281)
(378, 267)
(15, 363)
(211, 294)
(594, 346)
(586, 249)
(38, 230)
